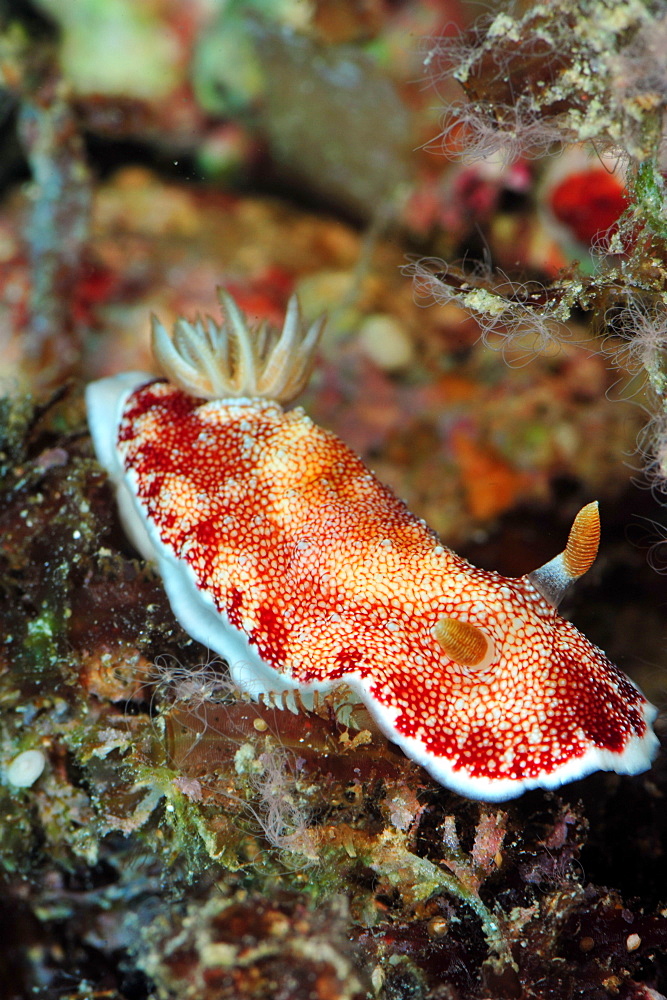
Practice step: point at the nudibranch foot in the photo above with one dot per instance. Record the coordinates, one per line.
(284, 554)
(338, 702)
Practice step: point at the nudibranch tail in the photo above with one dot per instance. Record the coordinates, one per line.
(283, 553)
(554, 578)
(232, 360)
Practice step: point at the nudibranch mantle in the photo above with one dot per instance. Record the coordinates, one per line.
(283, 553)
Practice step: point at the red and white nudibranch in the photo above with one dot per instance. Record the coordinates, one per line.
(283, 553)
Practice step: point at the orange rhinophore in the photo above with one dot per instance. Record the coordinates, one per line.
(283, 553)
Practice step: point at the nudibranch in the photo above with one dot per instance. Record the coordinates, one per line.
(283, 553)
